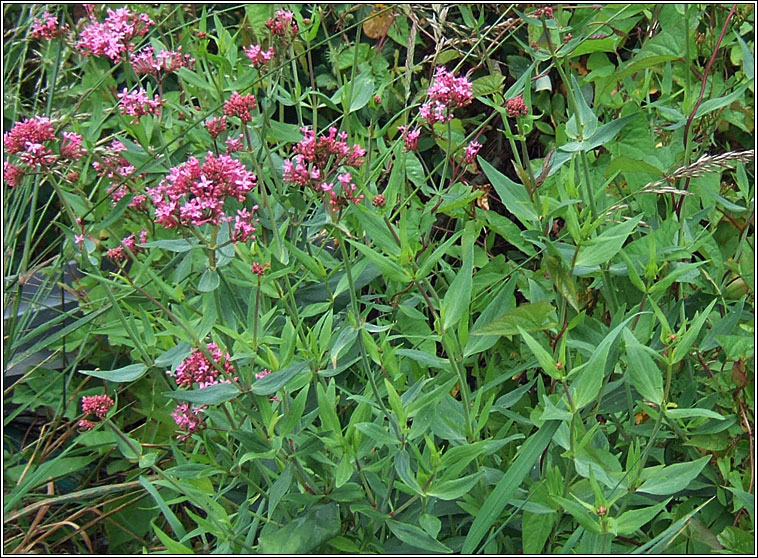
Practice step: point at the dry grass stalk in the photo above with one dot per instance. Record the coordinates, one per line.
(706, 164)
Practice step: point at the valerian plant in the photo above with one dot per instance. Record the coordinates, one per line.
(379, 279)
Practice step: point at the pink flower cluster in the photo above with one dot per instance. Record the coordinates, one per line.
(240, 105)
(244, 225)
(316, 159)
(283, 24)
(113, 37)
(215, 126)
(47, 27)
(197, 369)
(71, 146)
(137, 104)
(446, 93)
(349, 192)
(410, 137)
(547, 11)
(516, 106)
(188, 419)
(117, 168)
(471, 150)
(119, 253)
(194, 193)
(29, 140)
(258, 56)
(166, 61)
(97, 405)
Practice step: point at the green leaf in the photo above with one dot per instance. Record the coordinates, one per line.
(344, 471)
(628, 522)
(389, 268)
(306, 533)
(681, 269)
(601, 136)
(587, 386)
(689, 413)
(506, 488)
(417, 537)
(173, 521)
(211, 395)
(529, 317)
(714, 104)
(672, 479)
(458, 296)
(605, 246)
(432, 361)
(684, 345)
(178, 245)
(172, 547)
(644, 373)
(547, 363)
(209, 281)
(279, 488)
(377, 433)
(361, 91)
(403, 468)
(748, 62)
(277, 380)
(454, 489)
(486, 85)
(193, 78)
(585, 518)
(327, 412)
(376, 229)
(514, 196)
(659, 543)
(126, 374)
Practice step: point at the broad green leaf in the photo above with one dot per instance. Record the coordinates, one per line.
(125, 374)
(277, 380)
(173, 521)
(514, 196)
(403, 468)
(605, 246)
(211, 395)
(377, 433)
(644, 373)
(172, 547)
(676, 273)
(486, 85)
(279, 488)
(453, 489)
(628, 522)
(344, 471)
(304, 534)
(432, 361)
(547, 363)
(295, 413)
(499, 305)
(714, 104)
(748, 58)
(417, 537)
(538, 527)
(458, 296)
(209, 281)
(327, 412)
(529, 317)
(427, 265)
(360, 91)
(177, 245)
(389, 268)
(601, 136)
(672, 479)
(689, 413)
(506, 488)
(586, 519)
(684, 345)
(194, 79)
(587, 385)
(660, 542)
(376, 229)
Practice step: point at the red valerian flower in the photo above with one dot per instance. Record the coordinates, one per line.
(136, 103)
(188, 419)
(239, 105)
(112, 38)
(97, 405)
(194, 193)
(516, 106)
(47, 27)
(446, 93)
(197, 369)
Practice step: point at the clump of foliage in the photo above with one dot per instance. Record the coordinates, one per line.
(380, 279)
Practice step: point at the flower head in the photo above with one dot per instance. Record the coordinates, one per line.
(112, 38)
(119, 253)
(194, 193)
(516, 106)
(215, 126)
(258, 56)
(410, 137)
(197, 369)
(71, 147)
(97, 405)
(12, 174)
(471, 150)
(47, 27)
(283, 24)
(244, 225)
(34, 130)
(446, 93)
(239, 105)
(188, 419)
(146, 61)
(136, 103)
